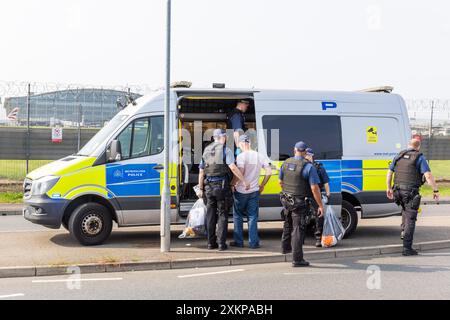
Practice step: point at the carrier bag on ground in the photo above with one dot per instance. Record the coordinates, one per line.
(195, 223)
(333, 231)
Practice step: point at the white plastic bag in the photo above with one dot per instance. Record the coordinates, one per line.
(333, 231)
(195, 223)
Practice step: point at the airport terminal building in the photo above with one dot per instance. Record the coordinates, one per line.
(90, 107)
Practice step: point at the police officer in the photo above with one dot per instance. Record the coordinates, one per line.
(214, 182)
(324, 186)
(236, 121)
(410, 167)
(299, 180)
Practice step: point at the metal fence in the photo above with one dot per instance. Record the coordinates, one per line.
(31, 113)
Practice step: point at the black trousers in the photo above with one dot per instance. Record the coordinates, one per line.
(219, 201)
(294, 229)
(409, 215)
(318, 230)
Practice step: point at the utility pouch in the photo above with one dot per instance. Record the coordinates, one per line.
(397, 197)
(415, 202)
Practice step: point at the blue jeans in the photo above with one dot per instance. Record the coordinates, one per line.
(246, 204)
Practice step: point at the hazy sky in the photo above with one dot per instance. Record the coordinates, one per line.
(321, 44)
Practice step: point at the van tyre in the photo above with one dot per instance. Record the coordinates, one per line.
(349, 218)
(90, 224)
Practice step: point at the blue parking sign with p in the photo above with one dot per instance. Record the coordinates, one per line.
(328, 105)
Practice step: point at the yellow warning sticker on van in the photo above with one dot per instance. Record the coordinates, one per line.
(372, 134)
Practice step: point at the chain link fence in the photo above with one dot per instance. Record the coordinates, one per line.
(41, 122)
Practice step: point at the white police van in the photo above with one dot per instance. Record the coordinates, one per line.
(117, 175)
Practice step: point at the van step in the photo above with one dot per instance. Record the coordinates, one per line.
(185, 207)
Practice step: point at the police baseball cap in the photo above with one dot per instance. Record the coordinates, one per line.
(244, 101)
(301, 146)
(244, 138)
(310, 152)
(219, 133)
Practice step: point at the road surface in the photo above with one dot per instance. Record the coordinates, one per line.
(384, 277)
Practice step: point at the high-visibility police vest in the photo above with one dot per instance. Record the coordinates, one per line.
(293, 181)
(405, 166)
(214, 158)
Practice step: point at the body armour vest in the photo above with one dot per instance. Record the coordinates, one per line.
(215, 160)
(293, 181)
(406, 173)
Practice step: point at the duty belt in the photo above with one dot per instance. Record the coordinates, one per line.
(406, 187)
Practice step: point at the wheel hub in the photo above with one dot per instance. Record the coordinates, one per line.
(92, 224)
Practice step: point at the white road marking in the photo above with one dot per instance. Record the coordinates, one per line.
(209, 273)
(317, 273)
(435, 254)
(12, 295)
(75, 280)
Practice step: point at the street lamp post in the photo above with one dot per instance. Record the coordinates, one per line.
(165, 199)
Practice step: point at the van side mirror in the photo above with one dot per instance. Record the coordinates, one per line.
(114, 151)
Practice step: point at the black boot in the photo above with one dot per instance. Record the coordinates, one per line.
(409, 252)
(301, 263)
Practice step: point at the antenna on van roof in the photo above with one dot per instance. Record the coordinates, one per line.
(385, 89)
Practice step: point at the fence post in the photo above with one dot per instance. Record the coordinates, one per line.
(430, 134)
(28, 128)
(80, 118)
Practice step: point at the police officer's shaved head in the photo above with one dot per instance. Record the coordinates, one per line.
(415, 144)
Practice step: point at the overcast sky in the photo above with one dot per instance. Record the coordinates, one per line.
(321, 44)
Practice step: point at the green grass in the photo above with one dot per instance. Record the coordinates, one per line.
(16, 169)
(440, 169)
(10, 197)
(444, 190)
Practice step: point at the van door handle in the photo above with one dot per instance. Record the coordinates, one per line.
(158, 167)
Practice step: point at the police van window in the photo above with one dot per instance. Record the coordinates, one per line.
(322, 133)
(143, 137)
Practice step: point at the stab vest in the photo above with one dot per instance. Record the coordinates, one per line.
(293, 181)
(406, 173)
(215, 160)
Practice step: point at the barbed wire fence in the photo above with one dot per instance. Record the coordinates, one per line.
(30, 112)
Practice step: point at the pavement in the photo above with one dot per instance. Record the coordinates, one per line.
(426, 276)
(44, 251)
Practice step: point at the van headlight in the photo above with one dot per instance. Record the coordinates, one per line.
(43, 185)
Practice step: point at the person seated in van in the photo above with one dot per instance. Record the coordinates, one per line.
(324, 186)
(216, 173)
(236, 121)
(246, 201)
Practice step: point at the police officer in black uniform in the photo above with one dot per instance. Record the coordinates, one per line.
(411, 169)
(216, 172)
(324, 186)
(299, 181)
(236, 121)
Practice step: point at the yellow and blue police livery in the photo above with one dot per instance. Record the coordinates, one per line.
(118, 175)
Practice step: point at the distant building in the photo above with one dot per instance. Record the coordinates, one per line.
(64, 107)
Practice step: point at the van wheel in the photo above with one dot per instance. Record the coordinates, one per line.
(349, 218)
(90, 224)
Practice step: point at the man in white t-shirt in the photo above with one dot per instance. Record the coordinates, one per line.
(246, 201)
